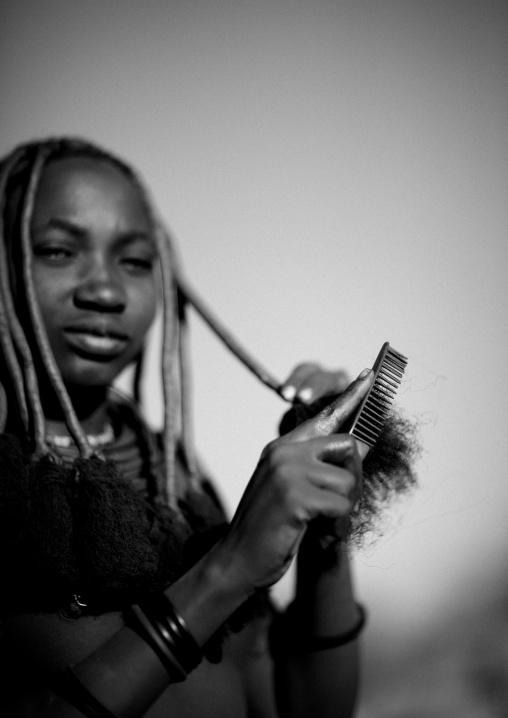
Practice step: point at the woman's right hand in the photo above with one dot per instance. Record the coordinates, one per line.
(311, 472)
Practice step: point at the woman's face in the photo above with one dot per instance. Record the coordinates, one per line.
(94, 259)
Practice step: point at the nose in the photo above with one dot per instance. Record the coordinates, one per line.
(101, 289)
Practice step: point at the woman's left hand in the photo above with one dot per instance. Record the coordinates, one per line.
(309, 381)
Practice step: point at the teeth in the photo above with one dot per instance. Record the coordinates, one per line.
(100, 342)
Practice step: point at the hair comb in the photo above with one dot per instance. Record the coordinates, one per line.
(370, 416)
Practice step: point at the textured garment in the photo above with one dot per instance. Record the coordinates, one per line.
(94, 528)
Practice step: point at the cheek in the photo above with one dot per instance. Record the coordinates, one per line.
(49, 298)
(145, 305)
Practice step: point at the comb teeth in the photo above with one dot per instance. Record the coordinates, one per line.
(368, 422)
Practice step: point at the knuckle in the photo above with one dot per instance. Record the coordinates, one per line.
(349, 446)
(268, 450)
(326, 412)
(284, 477)
(286, 496)
(300, 515)
(274, 452)
(279, 461)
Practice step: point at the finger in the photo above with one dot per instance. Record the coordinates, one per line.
(334, 478)
(329, 504)
(309, 381)
(319, 383)
(297, 377)
(344, 471)
(340, 450)
(333, 416)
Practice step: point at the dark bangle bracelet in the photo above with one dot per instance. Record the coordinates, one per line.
(161, 626)
(322, 643)
(189, 652)
(147, 627)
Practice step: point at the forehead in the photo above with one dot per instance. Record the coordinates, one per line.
(89, 189)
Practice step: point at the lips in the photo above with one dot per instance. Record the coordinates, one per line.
(96, 340)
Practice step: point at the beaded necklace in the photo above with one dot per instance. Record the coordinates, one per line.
(63, 441)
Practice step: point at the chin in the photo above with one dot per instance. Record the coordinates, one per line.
(91, 374)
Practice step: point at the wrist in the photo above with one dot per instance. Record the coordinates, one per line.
(319, 557)
(291, 634)
(325, 597)
(208, 594)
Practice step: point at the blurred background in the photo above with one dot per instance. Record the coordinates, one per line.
(335, 175)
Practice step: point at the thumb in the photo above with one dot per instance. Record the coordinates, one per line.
(333, 417)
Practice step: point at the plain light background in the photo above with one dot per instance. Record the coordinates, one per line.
(335, 175)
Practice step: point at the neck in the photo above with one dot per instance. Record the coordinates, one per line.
(90, 405)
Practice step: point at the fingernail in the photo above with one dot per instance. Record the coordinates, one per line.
(289, 393)
(364, 373)
(305, 394)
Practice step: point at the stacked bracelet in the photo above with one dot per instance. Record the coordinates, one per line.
(161, 626)
(189, 652)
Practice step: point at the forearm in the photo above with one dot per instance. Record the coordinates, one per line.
(125, 674)
(322, 683)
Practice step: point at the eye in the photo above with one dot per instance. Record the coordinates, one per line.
(52, 253)
(138, 263)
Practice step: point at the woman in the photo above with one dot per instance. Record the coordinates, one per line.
(126, 592)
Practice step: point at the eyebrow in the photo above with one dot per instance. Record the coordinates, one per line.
(65, 224)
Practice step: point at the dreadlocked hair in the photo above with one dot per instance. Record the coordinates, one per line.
(82, 527)
(20, 175)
